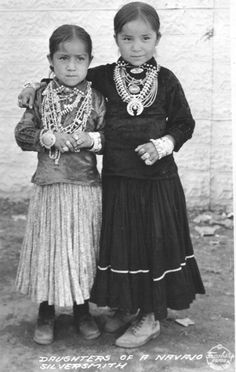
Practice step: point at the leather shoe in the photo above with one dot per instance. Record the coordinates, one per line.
(138, 334)
(44, 331)
(119, 321)
(88, 327)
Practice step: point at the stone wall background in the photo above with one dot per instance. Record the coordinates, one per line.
(195, 45)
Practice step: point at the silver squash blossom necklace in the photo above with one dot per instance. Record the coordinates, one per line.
(137, 93)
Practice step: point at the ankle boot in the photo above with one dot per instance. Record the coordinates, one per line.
(84, 322)
(139, 333)
(44, 330)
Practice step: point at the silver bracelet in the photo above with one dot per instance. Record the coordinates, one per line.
(97, 142)
(47, 139)
(164, 146)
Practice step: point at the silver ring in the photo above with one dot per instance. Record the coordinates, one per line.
(146, 156)
(68, 143)
(148, 162)
(65, 148)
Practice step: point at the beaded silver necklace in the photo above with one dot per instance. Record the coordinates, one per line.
(54, 108)
(129, 90)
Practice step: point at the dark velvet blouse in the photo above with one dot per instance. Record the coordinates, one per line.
(169, 114)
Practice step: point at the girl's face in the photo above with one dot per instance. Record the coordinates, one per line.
(70, 62)
(137, 41)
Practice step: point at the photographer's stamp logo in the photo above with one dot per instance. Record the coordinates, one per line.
(219, 357)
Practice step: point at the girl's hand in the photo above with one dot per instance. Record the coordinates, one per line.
(26, 97)
(147, 153)
(65, 142)
(83, 140)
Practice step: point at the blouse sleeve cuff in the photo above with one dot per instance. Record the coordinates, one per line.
(178, 138)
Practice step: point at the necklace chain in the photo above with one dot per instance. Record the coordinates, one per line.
(128, 87)
(67, 94)
(54, 108)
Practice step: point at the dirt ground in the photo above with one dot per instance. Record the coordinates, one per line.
(178, 348)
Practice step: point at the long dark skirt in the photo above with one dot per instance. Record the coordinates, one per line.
(146, 255)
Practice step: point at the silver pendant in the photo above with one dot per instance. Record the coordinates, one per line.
(136, 70)
(134, 88)
(135, 107)
(68, 90)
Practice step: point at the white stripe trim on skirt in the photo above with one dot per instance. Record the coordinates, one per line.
(146, 271)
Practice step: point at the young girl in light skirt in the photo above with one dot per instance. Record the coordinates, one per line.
(58, 257)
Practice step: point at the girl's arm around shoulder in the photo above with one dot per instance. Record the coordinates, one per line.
(27, 131)
(180, 124)
(99, 106)
(100, 75)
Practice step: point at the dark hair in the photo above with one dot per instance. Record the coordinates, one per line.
(68, 32)
(133, 11)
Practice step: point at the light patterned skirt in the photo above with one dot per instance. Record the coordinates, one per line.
(61, 244)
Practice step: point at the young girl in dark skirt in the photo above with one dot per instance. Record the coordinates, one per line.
(146, 262)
